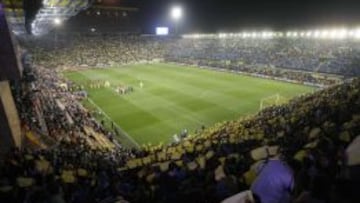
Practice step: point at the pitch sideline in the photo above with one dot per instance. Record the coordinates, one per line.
(108, 117)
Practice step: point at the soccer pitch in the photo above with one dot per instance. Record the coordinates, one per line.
(174, 98)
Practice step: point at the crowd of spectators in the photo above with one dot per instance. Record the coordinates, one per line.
(94, 50)
(313, 55)
(301, 151)
(292, 59)
(49, 108)
(306, 139)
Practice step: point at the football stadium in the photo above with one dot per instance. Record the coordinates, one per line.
(96, 107)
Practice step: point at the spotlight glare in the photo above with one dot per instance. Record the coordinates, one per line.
(176, 12)
(351, 33)
(357, 34)
(57, 21)
(324, 34)
(308, 34)
(316, 34)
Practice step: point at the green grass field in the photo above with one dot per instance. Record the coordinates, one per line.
(175, 97)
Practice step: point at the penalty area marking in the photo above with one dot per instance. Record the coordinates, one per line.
(108, 117)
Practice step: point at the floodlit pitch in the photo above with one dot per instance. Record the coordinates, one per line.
(169, 98)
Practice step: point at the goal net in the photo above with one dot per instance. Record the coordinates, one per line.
(273, 100)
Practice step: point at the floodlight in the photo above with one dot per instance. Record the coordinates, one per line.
(357, 34)
(176, 12)
(308, 34)
(302, 34)
(341, 34)
(316, 34)
(294, 34)
(324, 34)
(57, 21)
(351, 33)
(333, 33)
(222, 35)
(264, 34)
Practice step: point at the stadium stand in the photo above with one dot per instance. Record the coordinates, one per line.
(305, 60)
(95, 50)
(307, 137)
(300, 151)
(303, 150)
(290, 53)
(49, 108)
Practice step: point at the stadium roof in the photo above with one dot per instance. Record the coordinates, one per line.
(15, 15)
(38, 17)
(53, 12)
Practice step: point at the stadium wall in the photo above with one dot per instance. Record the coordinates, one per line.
(10, 135)
(11, 68)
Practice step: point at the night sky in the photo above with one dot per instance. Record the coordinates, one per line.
(237, 15)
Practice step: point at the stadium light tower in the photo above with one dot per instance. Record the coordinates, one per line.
(176, 14)
(57, 21)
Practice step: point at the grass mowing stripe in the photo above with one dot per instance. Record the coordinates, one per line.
(108, 117)
(170, 104)
(182, 89)
(176, 97)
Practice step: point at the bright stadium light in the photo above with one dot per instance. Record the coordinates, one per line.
(333, 33)
(338, 34)
(266, 34)
(324, 34)
(351, 33)
(223, 35)
(271, 34)
(357, 34)
(342, 34)
(317, 34)
(57, 21)
(176, 12)
(308, 34)
(263, 34)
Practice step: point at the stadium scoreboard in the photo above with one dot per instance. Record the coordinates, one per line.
(162, 31)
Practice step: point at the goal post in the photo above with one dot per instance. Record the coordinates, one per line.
(272, 100)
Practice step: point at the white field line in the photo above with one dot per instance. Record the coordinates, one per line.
(108, 117)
